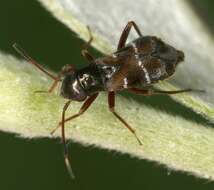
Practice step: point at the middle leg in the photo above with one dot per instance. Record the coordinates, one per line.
(111, 103)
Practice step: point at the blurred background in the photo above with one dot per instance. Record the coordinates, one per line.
(38, 163)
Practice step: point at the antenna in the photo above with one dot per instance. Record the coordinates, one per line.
(24, 54)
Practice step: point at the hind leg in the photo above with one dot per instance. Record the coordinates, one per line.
(125, 34)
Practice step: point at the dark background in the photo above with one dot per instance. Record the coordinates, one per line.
(38, 164)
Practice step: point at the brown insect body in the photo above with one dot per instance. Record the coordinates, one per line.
(143, 62)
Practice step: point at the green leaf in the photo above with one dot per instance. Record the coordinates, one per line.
(165, 136)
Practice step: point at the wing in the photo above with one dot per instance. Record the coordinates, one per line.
(125, 76)
(121, 69)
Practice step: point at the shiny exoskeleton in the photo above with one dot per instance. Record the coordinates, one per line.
(144, 61)
(141, 63)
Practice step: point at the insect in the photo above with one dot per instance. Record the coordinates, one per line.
(142, 62)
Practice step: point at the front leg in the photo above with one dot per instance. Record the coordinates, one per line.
(83, 108)
(66, 69)
(65, 148)
(52, 87)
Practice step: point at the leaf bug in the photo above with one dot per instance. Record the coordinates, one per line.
(142, 62)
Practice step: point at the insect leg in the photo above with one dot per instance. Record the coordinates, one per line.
(126, 32)
(66, 69)
(84, 107)
(175, 91)
(67, 162)
(150, 92)
(51, 88)
(84, 50)
(111, 103)
(54, 84)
